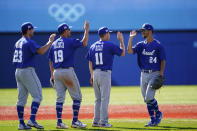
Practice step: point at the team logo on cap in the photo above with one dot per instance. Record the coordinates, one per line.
(66, 12)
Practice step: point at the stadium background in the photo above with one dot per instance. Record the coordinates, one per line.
(175, 25)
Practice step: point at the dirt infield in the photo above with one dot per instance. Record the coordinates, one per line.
(115, 111)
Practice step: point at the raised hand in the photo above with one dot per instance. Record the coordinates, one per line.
(86, 25)
(119, 36)
(133, 33)
(52, 37)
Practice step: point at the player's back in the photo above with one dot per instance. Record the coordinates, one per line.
(62, 52)
(102, 54)
(24, 54)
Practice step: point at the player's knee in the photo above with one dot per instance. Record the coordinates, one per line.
(60, 99)
(77, 97)
(105, 98)
(21, 103)
(98, 100)
(147, 100)
(38, 99)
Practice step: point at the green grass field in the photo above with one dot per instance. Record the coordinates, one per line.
(119, 96)
(118, 125)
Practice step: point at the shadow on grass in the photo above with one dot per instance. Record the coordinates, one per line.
(158, 128)
(178, 128)
(130, 128)
(96, 129)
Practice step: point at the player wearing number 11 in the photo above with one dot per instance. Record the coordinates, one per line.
(151, 60)
(100, 56)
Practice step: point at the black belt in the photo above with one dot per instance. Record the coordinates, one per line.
(149, 71)
(102, 70)
(65, 68)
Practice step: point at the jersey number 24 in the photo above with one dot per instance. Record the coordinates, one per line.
(152, 60)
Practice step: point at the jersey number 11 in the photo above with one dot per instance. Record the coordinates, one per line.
(99, 58)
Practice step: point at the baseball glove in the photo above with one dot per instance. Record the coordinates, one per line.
(52, 82)
(158, 82)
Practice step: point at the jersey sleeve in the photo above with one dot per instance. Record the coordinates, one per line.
(88, 55)
(50, 54)
(162, 53)
(116, 50)
(33, 46)
(77, 43)
(136, 48)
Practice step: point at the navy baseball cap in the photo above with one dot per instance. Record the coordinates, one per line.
(103, 30)
(62, 27)
(146, 26)
(27, 26)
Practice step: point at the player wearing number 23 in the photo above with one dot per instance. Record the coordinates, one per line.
(100, 56)
(151, 60)
(61, 56)
(27, 81)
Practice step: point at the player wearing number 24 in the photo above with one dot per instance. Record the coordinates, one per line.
(26, 78)
(151, 60)
(100, 57)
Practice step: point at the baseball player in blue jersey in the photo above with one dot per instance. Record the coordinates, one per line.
(100, 56)
(25, 51)
(61, 55)
(151, 60)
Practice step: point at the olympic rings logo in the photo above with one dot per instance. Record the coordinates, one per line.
(66, 12)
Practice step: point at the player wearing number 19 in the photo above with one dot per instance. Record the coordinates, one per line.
(151, 60)
(61, 56)
(100, 56)
(26, 78)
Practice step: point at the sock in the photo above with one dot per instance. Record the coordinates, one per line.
(20, 110)
(155, 105)
(34, 109)
(151, 111)
(76, 106)
(59, 108)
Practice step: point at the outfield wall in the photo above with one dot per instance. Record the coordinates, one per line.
(180, 46)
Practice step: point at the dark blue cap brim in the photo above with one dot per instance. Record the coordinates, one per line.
(142, 29)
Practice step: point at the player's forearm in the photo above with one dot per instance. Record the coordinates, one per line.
(51, 68)
(122, 46)
(129, 46)
(163, 63)
(85, 38)
(46, 47)
(42, 50)
(91, 68)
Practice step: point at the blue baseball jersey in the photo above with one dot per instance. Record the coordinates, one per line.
(149, 55)
(101, 54)
(25, 51)
(62, 52)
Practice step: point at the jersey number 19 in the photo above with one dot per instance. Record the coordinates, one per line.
(58, 56)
